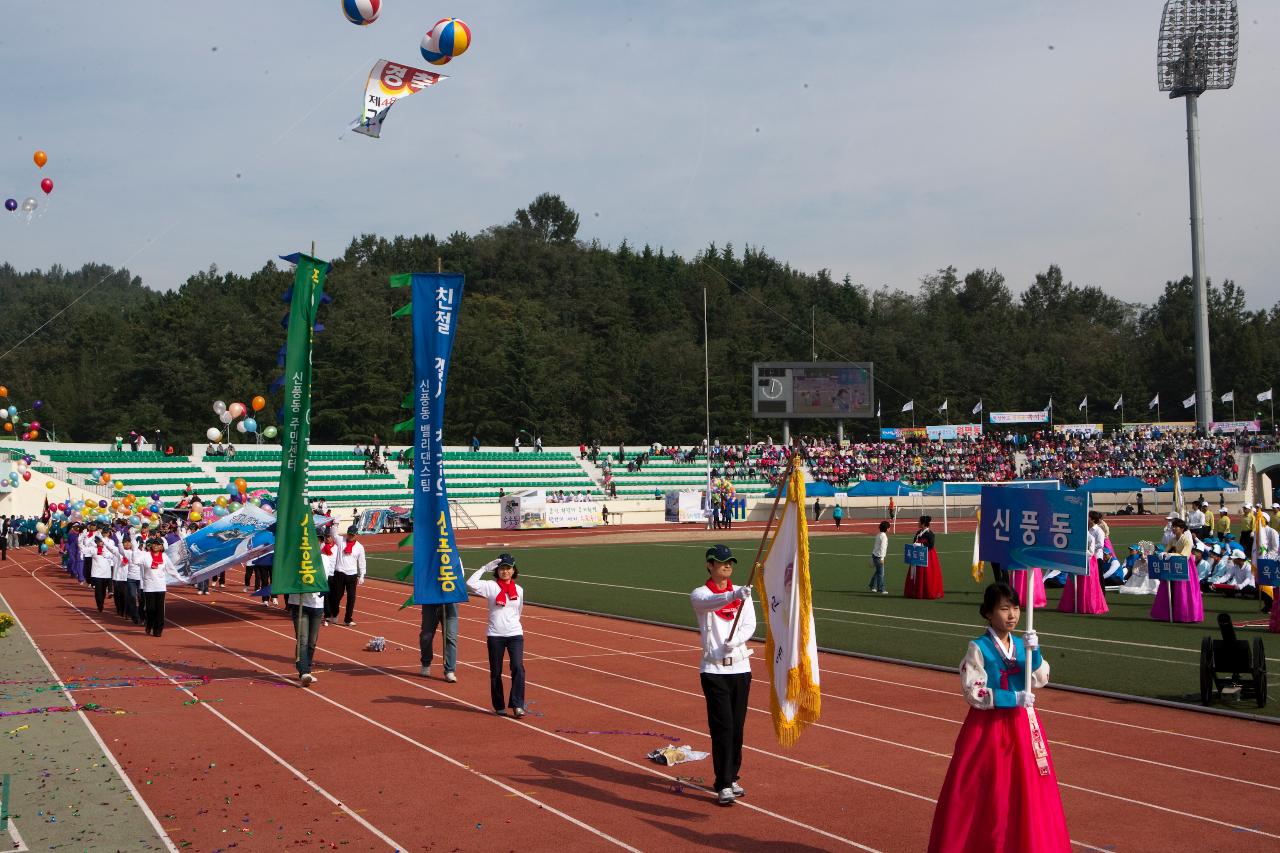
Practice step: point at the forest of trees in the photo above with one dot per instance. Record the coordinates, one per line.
(572, 341)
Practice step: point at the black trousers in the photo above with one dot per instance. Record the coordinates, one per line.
(100, 591)
(155, 612)
(726, 717)
(340, 585)
(120, 594)
(514, 648)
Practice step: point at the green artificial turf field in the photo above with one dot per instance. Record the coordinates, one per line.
(1122, 651)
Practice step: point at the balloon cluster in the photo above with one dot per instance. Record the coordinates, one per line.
(228, 415)
(447, 39)
(29, 204)
(12, 418)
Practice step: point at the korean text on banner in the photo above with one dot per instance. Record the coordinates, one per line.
(1034, 528)
(297, 566)
(437, 565)
(1168, 567)
(791, 644)
(389, 82)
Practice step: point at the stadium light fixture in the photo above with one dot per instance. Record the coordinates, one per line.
(1197, 51)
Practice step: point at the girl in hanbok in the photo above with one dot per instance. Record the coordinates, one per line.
(1001, 792)
(924, 581)
(1188, 606)
(1083, 594)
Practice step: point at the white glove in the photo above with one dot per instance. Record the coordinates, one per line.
(360, 582)
(491, 565)
(742, 593)
(1025, 699)
(1032, 640)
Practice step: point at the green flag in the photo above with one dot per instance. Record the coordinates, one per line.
(296, 567)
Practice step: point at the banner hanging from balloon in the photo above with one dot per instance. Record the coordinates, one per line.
(437, 565)
(389, 82)
(235, 539)
(297, 565)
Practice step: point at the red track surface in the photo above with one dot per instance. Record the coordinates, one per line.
(424, 765)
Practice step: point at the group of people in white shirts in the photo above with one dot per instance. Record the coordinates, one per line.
(134, 568)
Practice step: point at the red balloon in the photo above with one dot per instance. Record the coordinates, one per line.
(26, 475)
(47, 185)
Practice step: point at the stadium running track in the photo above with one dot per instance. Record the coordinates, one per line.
(375, 757)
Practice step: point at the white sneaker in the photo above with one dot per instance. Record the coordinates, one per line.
(307, 679)
(726, 797)
(518, 712)
(349, 624)
(738, 790)
(450, 677)
(425, 672)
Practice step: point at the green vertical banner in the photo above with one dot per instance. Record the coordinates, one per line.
(296, 567)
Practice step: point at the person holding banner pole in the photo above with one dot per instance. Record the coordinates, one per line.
(1084, 595)
(1179, 601)
(1001, 790)
(925, 581)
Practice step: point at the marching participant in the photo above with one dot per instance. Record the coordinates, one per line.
(155, 571)
(348, 573)
(1084, 594)
(1188, 605)
(505, 634)
(925, 581)
(98, 559)
(1001, 791)
(726, 666)
(329, 559)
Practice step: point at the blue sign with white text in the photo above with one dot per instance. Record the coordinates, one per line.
(915, 555)
(1034, 528)
(1168, 567)
(1268, 572)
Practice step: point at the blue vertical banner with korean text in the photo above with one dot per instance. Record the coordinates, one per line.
(437, 566)
(1034, 528)
(297, 566)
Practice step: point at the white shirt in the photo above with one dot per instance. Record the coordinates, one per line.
(102, 563)
(329, 560)
(157, 578)
(1096, 543)
(349, 564)
(1195, 519)
(717, 647)
(141, 558)
(307, 599)
(504, 619)
(1268, 542)
(128, 557)
(881, 546)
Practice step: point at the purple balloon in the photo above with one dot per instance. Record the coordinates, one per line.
(38, 405)
(10, 204)
(102, 504)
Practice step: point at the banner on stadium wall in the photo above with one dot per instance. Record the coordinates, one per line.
(1159, 425)
(950, 432)
(686, 507)
(297, 566)
(1235, 426)
(1040, 417)
(437, 564)
(1079, 429)
(234, 539)
(902, 433)
(530, 510)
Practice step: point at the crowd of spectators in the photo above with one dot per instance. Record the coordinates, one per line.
(1152, 456)
(912, 462)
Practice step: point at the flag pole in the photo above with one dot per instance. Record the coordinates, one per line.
(755, 564)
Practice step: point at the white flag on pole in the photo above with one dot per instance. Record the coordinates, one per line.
(1189, 402)
(1118, 403)
(1083, 403)
(910, 406)
(943, 407)
(1229, 397)
(978, 408)
(1264, 396)
(877, 408)
(1155, 401)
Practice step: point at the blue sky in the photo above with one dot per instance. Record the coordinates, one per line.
(878, 140)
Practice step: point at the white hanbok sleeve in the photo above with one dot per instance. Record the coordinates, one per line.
(973, 680)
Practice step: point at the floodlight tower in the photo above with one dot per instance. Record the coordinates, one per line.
(1197, 50)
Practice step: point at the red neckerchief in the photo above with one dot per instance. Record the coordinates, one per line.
(327, 549)
(156, 559)
(347, 548)
(507, 592)
(730, 610)
(99, 550)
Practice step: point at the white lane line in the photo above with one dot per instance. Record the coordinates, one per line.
(394, 845)
(124, 777)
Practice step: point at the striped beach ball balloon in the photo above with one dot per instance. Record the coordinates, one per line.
(362, 12)
(447, 39)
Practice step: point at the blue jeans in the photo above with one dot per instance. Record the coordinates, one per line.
(877, 578)
(306, 626)
(432, 616)
(514, 646)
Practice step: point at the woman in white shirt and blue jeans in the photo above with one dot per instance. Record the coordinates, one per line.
(505, 635)
(879, 549)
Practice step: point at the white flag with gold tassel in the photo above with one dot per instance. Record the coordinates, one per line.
(791, 644)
